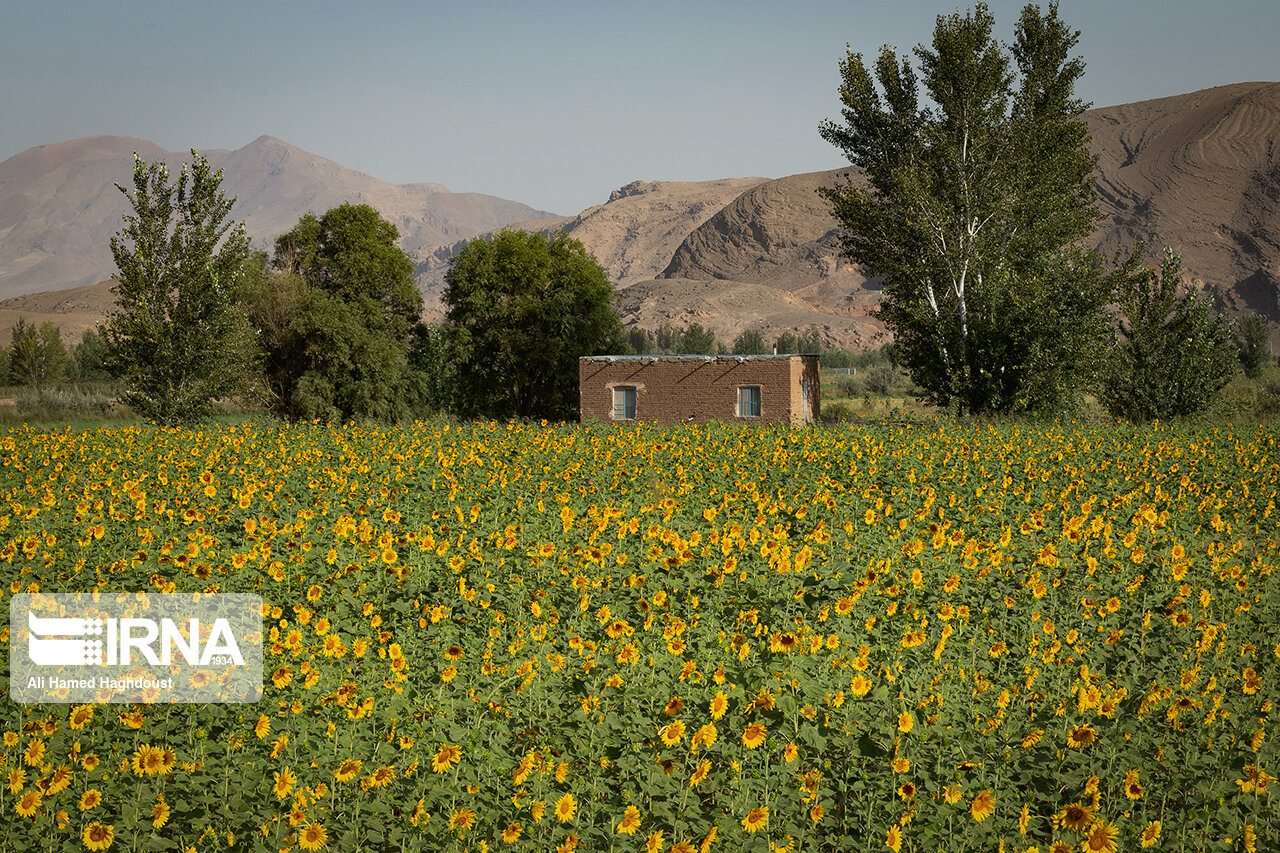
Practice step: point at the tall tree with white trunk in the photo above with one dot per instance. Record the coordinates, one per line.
(972, 201)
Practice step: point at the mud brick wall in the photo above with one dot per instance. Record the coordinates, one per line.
(698, 389)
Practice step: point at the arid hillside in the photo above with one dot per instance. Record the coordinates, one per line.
(632, 235)
(59, 204)
(1198, 172)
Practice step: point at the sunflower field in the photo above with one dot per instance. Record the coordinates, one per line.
(496, 637)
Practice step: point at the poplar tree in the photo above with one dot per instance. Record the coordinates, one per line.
(972, 192)
(174, 336)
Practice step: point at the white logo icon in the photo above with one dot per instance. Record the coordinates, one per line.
(44, 651)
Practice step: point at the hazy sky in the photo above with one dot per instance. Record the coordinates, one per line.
(553, 104)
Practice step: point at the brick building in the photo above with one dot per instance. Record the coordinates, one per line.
(698, 388)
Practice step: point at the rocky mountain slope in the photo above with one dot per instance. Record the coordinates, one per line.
(59, 205)
(632, 235)
(1198, 172)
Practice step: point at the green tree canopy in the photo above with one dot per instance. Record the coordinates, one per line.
(695, 340)
(973, 204)
(174, 336)
(810, 342)
(37, 356)
(335, 317)
(1251, 341)
(750, 342)
(640, 341)
(1175, 351)
(522, 310)
(786, 343)
(353, 253)
(89, 359)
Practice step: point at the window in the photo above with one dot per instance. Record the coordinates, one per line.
(624, 403)
(749, 401)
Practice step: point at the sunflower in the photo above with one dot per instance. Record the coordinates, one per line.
(672, 733)
(1101, 838)
(1082, 736)
(906, 790)
(142, 761)
(29, 803)
(1075, 817)
(700, 773)
(785, 642)
(284, 783)
(860, 685)
(1132, 787)
(565, 808)
(80, 716)
(1151, 834)
(630, 821)
(98, 836)
(719, 704)
(33, 753)
(90, 799)
(60, 779)
(446, 756)
(894, 839)
(654, 842)
(348, 770)
(753, 737)
(263, 727)
(160, 813)
(313, 836)
(281, 677)
(462, 819)
(382, 777)
(905, 722)
(332, 644)
(982, 806)
(756, 819)
(707, 735)
(512, 833)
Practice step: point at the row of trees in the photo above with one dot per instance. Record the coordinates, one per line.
(975, 194)
(37, 356)
(696, 340)
(973, 202)
(327, 326)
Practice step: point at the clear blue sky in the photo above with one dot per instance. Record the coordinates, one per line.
(553, 104)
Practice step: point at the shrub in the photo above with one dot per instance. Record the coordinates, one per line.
(57, 402)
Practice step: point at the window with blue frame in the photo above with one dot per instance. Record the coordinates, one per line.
(624, 403)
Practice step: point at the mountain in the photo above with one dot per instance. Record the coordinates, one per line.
(632, 235)
(59, 205)
(1198, 172)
